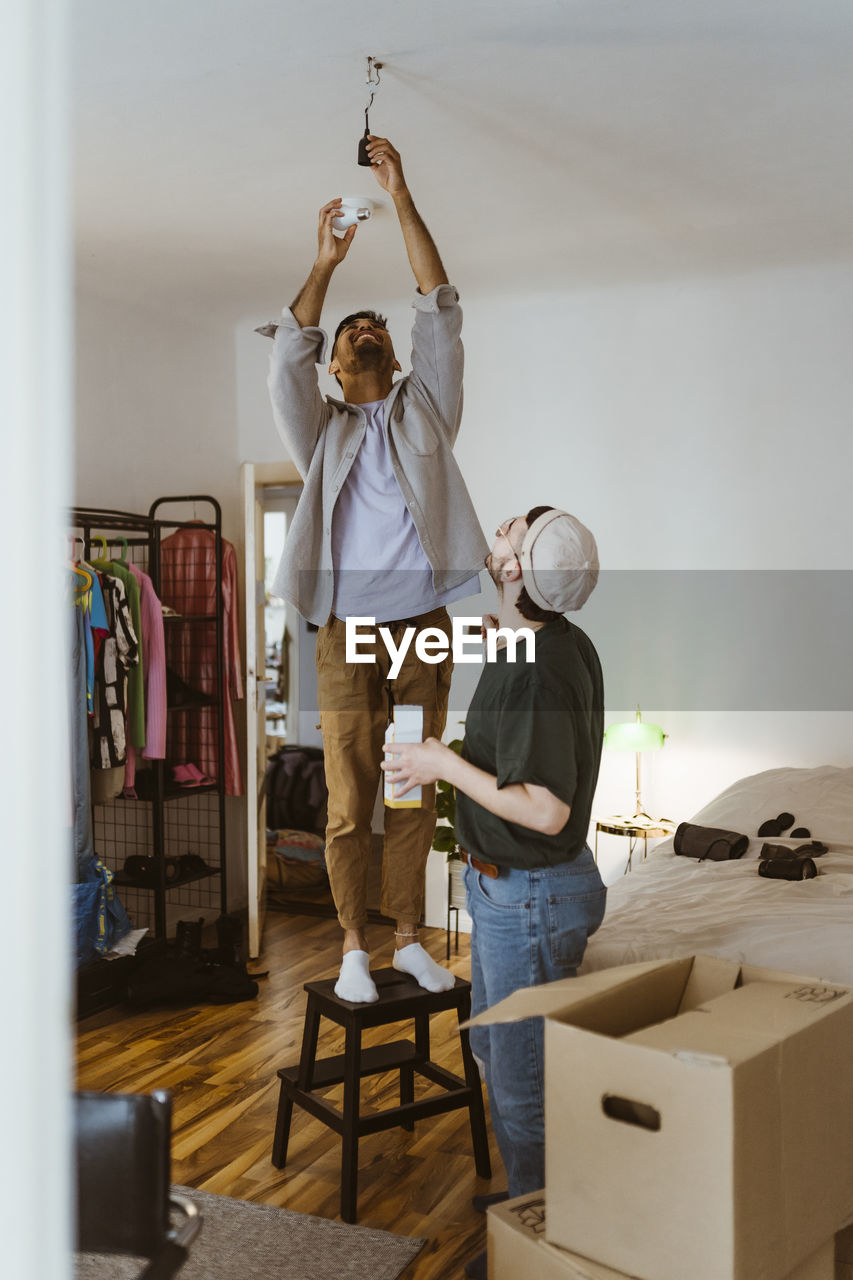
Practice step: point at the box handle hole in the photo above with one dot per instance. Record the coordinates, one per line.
(631, 1112)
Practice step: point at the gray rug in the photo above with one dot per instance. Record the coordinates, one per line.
(243, 1241)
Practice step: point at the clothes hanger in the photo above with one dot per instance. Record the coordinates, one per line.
(83, 574)
(121, 558)
(103, 558)
(82, 578)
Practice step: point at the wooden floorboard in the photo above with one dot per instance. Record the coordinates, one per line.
(220, 1061)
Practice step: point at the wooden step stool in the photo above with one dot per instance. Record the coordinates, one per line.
(400, 999)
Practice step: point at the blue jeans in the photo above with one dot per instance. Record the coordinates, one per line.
(529, 927)
(84, 845)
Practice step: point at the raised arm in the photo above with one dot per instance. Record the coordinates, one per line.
(299, 410)
(420, 246)
(307, 306)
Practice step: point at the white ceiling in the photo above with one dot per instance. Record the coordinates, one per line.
(549, 144)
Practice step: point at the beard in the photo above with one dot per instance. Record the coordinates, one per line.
(369, 357)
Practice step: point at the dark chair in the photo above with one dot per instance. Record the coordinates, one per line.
(124, 1194)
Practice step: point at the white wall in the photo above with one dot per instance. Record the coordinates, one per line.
(699, 425)
(156, 409)
(35, 410)
(694, 425)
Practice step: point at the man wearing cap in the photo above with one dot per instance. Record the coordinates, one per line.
(384, 529)
(524, 784)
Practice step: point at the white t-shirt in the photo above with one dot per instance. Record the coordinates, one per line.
(381, 570)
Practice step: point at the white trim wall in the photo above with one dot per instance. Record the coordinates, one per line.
(35, 400)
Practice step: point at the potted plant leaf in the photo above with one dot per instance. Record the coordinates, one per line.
(445, 841)
(445, 808)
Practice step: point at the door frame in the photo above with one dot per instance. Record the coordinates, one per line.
(254, 479)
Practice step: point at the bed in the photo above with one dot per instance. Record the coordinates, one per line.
(675, 906)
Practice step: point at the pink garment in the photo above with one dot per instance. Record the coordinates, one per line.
(154, 675)
(188, 585)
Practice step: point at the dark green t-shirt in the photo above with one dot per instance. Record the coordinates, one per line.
(539, 722)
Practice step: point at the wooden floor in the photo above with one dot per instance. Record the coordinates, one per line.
(220, 1063)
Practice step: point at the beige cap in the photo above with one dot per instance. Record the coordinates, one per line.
(559, 562)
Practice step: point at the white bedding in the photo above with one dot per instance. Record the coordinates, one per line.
(676, 906)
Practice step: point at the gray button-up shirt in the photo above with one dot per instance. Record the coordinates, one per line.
(323, 435)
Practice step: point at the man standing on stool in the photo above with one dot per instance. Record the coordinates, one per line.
(384, 529)
(525, 783)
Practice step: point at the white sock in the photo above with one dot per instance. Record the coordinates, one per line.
(414, 960)
(355, 983)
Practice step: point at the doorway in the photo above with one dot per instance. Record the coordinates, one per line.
(280, 697)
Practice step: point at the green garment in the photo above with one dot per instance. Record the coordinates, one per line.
(542, 723)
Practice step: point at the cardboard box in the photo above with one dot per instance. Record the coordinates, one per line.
(518, 1249)
(699, 1116)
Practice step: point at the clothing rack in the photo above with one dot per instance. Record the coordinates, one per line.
(169, 822)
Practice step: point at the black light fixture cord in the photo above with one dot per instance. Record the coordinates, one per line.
(373, 67)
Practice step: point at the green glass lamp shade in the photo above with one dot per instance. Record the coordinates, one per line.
(634, 735)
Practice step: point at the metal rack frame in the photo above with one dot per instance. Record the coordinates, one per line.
(144, 534)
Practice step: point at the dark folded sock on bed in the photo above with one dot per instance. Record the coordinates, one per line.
(787, 868)
(813, 850)
(692, 841)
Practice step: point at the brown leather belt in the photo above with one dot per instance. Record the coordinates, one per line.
(485, 868)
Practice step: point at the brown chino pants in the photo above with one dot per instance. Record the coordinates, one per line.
(354, 709)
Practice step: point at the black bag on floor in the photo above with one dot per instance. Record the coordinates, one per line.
(183, 973)
(296, 791)
(168, 979)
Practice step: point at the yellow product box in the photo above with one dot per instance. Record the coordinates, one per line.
(407, 726)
